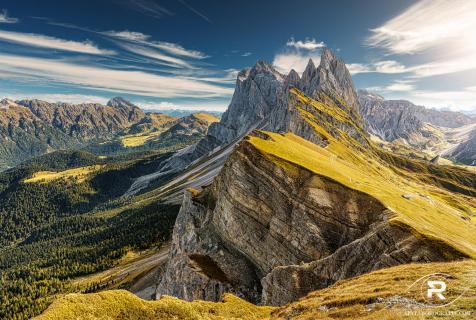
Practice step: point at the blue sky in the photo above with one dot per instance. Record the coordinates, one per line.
(185, 54)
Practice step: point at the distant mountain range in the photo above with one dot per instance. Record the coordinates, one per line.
(182, 112)
(33, 127)
(446, 133)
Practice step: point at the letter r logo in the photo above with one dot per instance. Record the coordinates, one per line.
(436, 287)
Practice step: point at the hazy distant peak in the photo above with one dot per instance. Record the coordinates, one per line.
(118, 102)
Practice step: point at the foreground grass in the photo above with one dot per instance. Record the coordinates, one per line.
(358, 298)
(120, 304)
(369, 296)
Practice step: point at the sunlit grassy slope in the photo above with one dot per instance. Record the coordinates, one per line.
(80, 174)
(431, 211)
(389, 294)
(122, 304)
(136, 140)
(207, 117)
(139, 139)
(426, 211)
(365, 297)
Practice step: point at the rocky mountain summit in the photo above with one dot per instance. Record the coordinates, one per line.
(308, 199)
(261, 101)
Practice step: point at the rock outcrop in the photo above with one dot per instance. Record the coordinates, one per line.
(271, 230)
(272, 233)
(260, 101)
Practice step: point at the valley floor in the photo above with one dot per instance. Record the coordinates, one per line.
(136, 271)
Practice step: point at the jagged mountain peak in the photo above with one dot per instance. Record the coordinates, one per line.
(6, 102)
(264, 68)
(366, 93)
(310, 65)
(308, 75)
(292, 79)
(118, 102)
(327, 58)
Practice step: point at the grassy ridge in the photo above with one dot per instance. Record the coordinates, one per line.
(429, 210)
(369, 296)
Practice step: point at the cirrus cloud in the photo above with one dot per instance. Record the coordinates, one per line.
(100, 78)
(4, 18)
(38, 40)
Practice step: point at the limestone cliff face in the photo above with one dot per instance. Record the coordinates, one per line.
(273, 232)
(261, 101)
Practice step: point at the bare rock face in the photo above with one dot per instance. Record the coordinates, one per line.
(260, 101)
(385, 246)
(440, 131)
(272, 233)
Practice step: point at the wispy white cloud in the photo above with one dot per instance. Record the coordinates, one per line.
(178, 50)
(297, 55)
(67, 98)
(156, 55)
(133, 82)
(4, 18)
(127, 35)
(43, 41)
(246, 54)
(386, 66)
(143, 39)
(308, 44)
(441, 31)
(428, 24)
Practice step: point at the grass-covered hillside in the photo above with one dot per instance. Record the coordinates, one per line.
(384, 294)
(437, 202)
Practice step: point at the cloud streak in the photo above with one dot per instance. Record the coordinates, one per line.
(4, 18)
(441, 31)
(198, 13)
(146, 7)
(156, 55)
(425, 25)
(308, 44)
(38, 40)
(133, 82)
(143, 39)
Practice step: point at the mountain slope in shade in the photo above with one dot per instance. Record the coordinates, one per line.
(429, 130)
